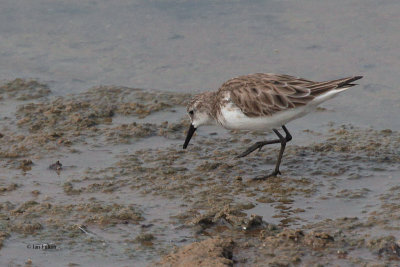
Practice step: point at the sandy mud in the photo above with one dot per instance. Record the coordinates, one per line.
(102, 176)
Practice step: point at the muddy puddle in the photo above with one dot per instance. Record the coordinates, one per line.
(102, 176)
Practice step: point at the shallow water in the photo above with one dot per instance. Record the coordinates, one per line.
(111, 166)
(191, 46)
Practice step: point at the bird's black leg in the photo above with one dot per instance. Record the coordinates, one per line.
(283, 141)
(260, 144)
(256, 146)
(288, 136)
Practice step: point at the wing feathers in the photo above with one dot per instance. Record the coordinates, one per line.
(263, 94)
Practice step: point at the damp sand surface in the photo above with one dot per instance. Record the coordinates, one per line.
(102, 175)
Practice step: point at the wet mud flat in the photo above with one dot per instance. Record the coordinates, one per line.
(102, 175)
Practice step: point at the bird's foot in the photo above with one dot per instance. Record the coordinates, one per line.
(264, 177)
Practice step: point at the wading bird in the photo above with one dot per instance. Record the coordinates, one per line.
(262, 102)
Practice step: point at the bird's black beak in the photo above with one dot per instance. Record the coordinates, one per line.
(189, 135)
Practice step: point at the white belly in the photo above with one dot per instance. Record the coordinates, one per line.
(233, 118)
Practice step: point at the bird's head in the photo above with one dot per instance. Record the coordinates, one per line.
(200, 110)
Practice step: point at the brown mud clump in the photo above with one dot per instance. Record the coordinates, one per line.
(211, 252)
(21, 89)
(3, 236)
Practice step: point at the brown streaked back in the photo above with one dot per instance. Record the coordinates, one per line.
(263, 94)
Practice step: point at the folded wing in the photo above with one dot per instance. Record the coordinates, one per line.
(263, 94)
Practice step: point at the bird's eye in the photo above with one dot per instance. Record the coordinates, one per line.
(191, 112)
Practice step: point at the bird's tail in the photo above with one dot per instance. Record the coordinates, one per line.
(340, 84)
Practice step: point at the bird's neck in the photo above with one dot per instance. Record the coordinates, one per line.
(213, 104)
